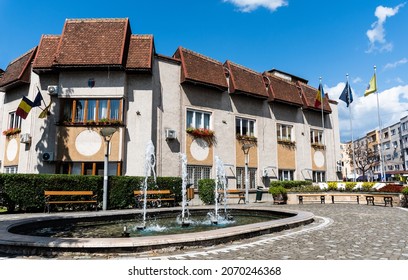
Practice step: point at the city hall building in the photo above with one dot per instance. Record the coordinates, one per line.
(97, 74)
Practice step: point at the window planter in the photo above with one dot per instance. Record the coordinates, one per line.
(202, 133)
(11, 131)
(287, 142)
(245, 139)
(318, 146)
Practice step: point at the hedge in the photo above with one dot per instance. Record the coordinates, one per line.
(290, 184)
(25, 192)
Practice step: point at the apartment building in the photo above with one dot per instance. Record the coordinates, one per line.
(98, 74)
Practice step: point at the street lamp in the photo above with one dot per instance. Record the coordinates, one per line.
(106, 133)
(245, 149)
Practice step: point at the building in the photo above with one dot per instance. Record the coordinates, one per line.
(392, 157)
(98, 74)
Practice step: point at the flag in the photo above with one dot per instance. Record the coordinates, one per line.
(347, 95)
(38, 99)
(45, 112)
(319, 96)
(372, 86)
(24, 107)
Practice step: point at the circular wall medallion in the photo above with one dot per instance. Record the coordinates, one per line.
(88, 142)
(318, 159)
(12, 149)
(199, 149)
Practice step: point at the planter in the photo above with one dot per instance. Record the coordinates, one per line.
(202, 133)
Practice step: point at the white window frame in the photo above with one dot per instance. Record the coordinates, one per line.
(313, 136)
(239, 125)
(284, 132)
(202, 123)
(14, 121)
(196, 173)
(286, 175)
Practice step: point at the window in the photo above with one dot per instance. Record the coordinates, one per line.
(14, 120)
(316, 136)
(196, 173)
(319, 176)
(284, 132)
(197, 119)
(286, 175)
(387, 145)
(244, 127)
(80, 110)
(89, 168)
(241, 178)
(392, 132)
(10, 169)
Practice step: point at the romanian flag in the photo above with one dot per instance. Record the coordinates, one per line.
(24, 108)
(319, 96)
(372, 86)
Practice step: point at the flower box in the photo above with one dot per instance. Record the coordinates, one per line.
(202, 133)
(11, 131)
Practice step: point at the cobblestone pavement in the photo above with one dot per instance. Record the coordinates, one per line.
(341, 232)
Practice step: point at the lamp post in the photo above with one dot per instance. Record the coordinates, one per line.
(106, 133)
(245, 149)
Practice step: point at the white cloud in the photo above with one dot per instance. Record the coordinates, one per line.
(395, 64)
(393, 105)
(251, 5)
(376, 35)
(357, 80)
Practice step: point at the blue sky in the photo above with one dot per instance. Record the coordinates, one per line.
(310, 39)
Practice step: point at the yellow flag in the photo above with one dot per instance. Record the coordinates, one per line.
(372, 86)
(45, 112)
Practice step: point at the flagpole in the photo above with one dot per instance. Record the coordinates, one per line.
(351, 129)
(379, 127)
(323, 134)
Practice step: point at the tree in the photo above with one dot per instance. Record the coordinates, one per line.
(364, 157)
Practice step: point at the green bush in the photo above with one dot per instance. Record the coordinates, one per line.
(25, 192)
(350, 186)
(206, 190)
(332, 186)
(405, 191)
(367, 186)
(290, 184)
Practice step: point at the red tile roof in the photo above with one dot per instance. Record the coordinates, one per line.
(18, 71)
(309, 97)
(246, 81)
(199, 69)
(281, 90)
(46, 51)
(140, 54)
(93, 42)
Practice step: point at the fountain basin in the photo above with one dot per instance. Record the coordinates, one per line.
(36, 245)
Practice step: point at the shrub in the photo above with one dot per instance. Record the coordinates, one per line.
(309, 188)
(350, 186)
(206, 190)
(405, 191)
(367, 186)
(332, 186)
(290, 184)
(279, 193)
(391, 188)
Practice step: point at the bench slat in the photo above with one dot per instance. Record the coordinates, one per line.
(68, 192)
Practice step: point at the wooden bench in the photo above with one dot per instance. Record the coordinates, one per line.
(154, 198)
(386, 198)
(70, 197)
(322, 197)
(345, 195)
(232, 194)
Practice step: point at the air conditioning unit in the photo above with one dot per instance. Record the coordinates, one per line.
(25, 138)
(171, 134)
(52, 90)
(47, 156)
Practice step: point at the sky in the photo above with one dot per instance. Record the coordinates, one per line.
(335, 41)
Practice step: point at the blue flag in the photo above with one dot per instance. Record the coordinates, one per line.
(347, 95)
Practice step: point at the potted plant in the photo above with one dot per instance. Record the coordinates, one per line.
(11, 131)
(279, 194)
(202, 133)
(405, 193)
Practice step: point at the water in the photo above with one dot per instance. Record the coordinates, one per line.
(157, 225)
(150, 163)
(185, 214)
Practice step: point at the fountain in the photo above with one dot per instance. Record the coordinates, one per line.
(220, 185)
(150, 162)
(185, 214)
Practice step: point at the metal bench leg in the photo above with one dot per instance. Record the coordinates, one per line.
(300, 199)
